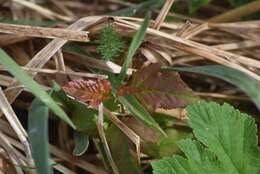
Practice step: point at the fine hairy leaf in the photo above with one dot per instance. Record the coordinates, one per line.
(226, 143)
(111, 44)
(38, 134)
(249, 85)
(33, 87)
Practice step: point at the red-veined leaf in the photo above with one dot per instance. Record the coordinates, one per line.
(90, 91)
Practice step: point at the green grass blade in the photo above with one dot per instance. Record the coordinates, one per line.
(38, 134)
(33, 87)
(28, 22)
(135, 44)
(133, 105)
(249, 85)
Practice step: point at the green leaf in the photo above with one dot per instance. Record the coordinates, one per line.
(141, 7)
(32, 86)
(132, 104)
(38, 134)
(200, 161)
(229, 143)
(135, 44)
(249, 85)
(194, 5)
(81, 143)
(120, 150)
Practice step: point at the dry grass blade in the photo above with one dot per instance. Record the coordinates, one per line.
(4, 142)
(44, 32)
(245, 29)
(51, 71)
(222, 96)
(43, 11)
(237, 13)
(178, 113)
(8, 39)
(222, 57)
(83, 164)
(163, 13)
(100, 127)
(238, 45)
(96, 63)
(193, 31)
(60, 66)
(16, 125)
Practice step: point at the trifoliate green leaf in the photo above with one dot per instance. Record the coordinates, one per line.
(226, 143)
(111, 43)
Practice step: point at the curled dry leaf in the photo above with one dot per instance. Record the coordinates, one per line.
(89, 91)
(156, 88)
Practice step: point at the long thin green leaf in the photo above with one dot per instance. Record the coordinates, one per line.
(133, 105)
(28, 22)
(249, 85)
(135, 44)
(38, 134)
(33, 87)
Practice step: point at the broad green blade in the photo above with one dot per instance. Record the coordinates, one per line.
(249, 85)
(135, 44)
(32, 86)
(133, 105)
(38, 134)
(81, 143)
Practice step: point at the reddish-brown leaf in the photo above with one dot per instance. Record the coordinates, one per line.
(90, 91)
(160, 89)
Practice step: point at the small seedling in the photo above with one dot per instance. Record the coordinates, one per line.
(111, 44)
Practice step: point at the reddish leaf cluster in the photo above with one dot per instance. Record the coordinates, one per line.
(153, 87)
(90, 91)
